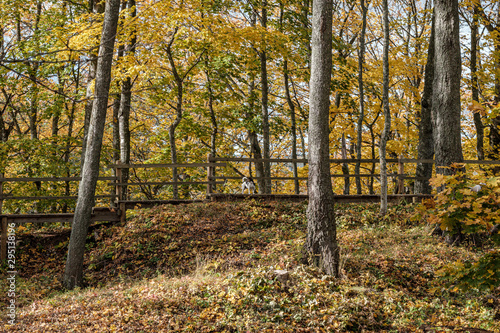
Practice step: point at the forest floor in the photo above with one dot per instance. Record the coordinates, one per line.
(210, 267)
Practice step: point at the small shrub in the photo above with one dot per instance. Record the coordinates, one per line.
(459, 210)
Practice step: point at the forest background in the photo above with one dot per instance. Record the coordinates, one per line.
(227, 78)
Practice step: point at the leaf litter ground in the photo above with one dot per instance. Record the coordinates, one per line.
(210, 268)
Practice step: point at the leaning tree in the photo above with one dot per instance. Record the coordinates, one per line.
(73, 274)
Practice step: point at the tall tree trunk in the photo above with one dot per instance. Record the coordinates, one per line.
(304, 17)
(33, 115)
(372, 170)
(387, 114)
(494, 135)
(124, 130)
(321, 244)
(264, 103)
(291, 106)
(73, 274)
(255, 150)
(89, 94)
(69, 136)
(115, 124)
(293, 126)
(425, 148)
(171, 136)
(179, 84)
(361, 60)
(475, 83)
(213, 119)
(116, 107)
(4, 136)
(372, 149)
(125, 107)
(446, 87)
(259, 166)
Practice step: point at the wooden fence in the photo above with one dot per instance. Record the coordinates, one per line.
(216, 172)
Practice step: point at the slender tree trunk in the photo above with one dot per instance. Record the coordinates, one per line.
(125, 107)
(116, 130)
(372, 170)
(171, 135)
(387, 114)
(213, 119)
(89, 94)
(4, 136)
(345, 167)
(124, 130)
(494, 135)
(59, 106)
(116, 108)
(361, 60)
(67, 151)
(291, 106)
(73, 275)
(425, 136)
(306, 5)
(257, 154)
(264, 102)
(255, 150)
(321, 244)
(475, 84)
(178, 117)
(293, 126)
(116, 139)
(446, 87)
(33, 113)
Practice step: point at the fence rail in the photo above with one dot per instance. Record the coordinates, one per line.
(216, 171)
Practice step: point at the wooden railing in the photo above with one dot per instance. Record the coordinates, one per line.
(214, 172)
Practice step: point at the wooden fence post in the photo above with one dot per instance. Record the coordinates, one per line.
(3, 249)
(210, 175)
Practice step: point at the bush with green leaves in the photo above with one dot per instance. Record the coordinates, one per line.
(464, 208)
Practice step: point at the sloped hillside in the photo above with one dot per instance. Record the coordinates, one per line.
(212, 268)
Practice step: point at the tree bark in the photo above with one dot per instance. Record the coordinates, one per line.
(116, 109)
(345, 167)
(125, 107)
(361, 60)
(255, 150)
(264, 103)
(387, 113)
(213, 119)
(321, 244)
(475, 83)
(293, 126)
(88, 93)
(494, 135)
(446, 87)
(425, 148)
(69, 135)
(179, 84)
(73, 275)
